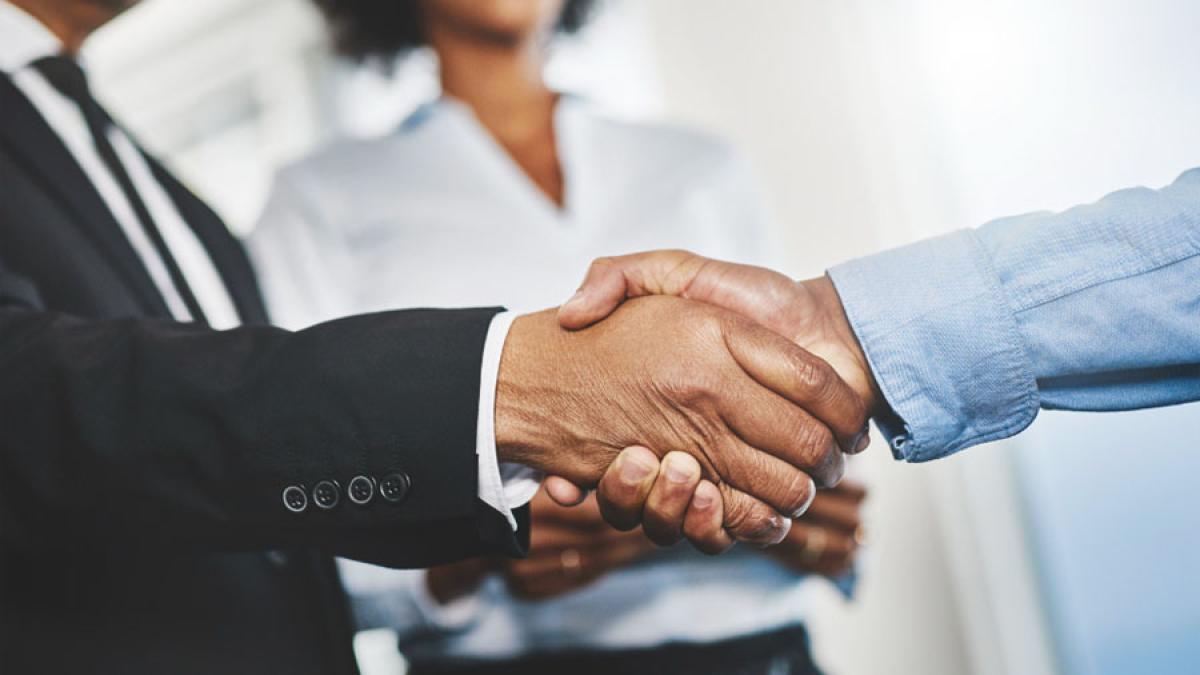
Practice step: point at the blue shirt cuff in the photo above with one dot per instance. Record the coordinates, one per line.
(943, 344)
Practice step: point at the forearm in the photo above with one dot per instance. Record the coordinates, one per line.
(968, 335)
(176, 434)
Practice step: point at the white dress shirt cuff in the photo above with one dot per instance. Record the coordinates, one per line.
(502, 486)
(446, 617)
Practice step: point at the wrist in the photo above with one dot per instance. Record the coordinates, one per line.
(838, 329)
(517, 439)
(532, 401)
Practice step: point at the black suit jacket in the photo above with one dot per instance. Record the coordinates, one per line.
(143, 462)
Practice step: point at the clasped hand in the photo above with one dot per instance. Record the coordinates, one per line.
(712, 415)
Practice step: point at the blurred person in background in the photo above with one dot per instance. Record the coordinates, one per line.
(503, 189)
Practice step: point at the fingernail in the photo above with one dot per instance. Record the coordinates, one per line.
(703, 499)
(633, 472)
(812, 494)
(774, 531)
(676, 473)
(863, 441)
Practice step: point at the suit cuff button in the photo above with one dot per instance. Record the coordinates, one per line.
(327, 494)
(361, 490)
(295, 499)
(395, 486)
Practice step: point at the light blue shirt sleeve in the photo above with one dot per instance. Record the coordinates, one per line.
(1095, 308)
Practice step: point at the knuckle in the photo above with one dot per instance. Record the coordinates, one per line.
(810, 375)
(799, 493)
(711, 327)
(737, 512)
(859, 415)
(750, 467)
(815, 442)
(601, 263)
(690, 388)
(757, 524)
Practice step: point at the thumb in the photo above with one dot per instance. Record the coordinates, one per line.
(564, 492)
(610, 281)
(602, 291)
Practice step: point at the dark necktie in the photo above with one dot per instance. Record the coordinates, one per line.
(69, 79)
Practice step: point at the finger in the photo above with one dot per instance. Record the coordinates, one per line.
(827, 510)
(704, 522)
(836, 551)
(784, 488)
(538, 581)
(584, 518)
(851, 490)
(564, 492)
(799, 376)
(625, 486)
(609, 281)
(764, 420)
(545, 574)
(662, 517)
(750, 520)
(548, 568)
(555, 535)
(616, 555)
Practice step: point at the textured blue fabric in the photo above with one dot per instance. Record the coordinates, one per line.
(1094, 308)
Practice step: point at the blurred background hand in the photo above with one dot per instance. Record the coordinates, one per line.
(571, 547)
(826, 539)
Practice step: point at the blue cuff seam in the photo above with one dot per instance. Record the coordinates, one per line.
(1016, 376)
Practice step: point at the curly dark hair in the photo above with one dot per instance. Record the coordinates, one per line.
(364, 29)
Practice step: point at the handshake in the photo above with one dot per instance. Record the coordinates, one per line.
(711, 412)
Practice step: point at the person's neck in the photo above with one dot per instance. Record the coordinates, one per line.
(501, 83)
(71, 22)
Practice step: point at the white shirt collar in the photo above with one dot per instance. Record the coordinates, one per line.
(23, 39)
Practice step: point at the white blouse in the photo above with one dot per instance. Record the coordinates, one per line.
(438, 214)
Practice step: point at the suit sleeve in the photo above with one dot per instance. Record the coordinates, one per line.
(131, 432)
